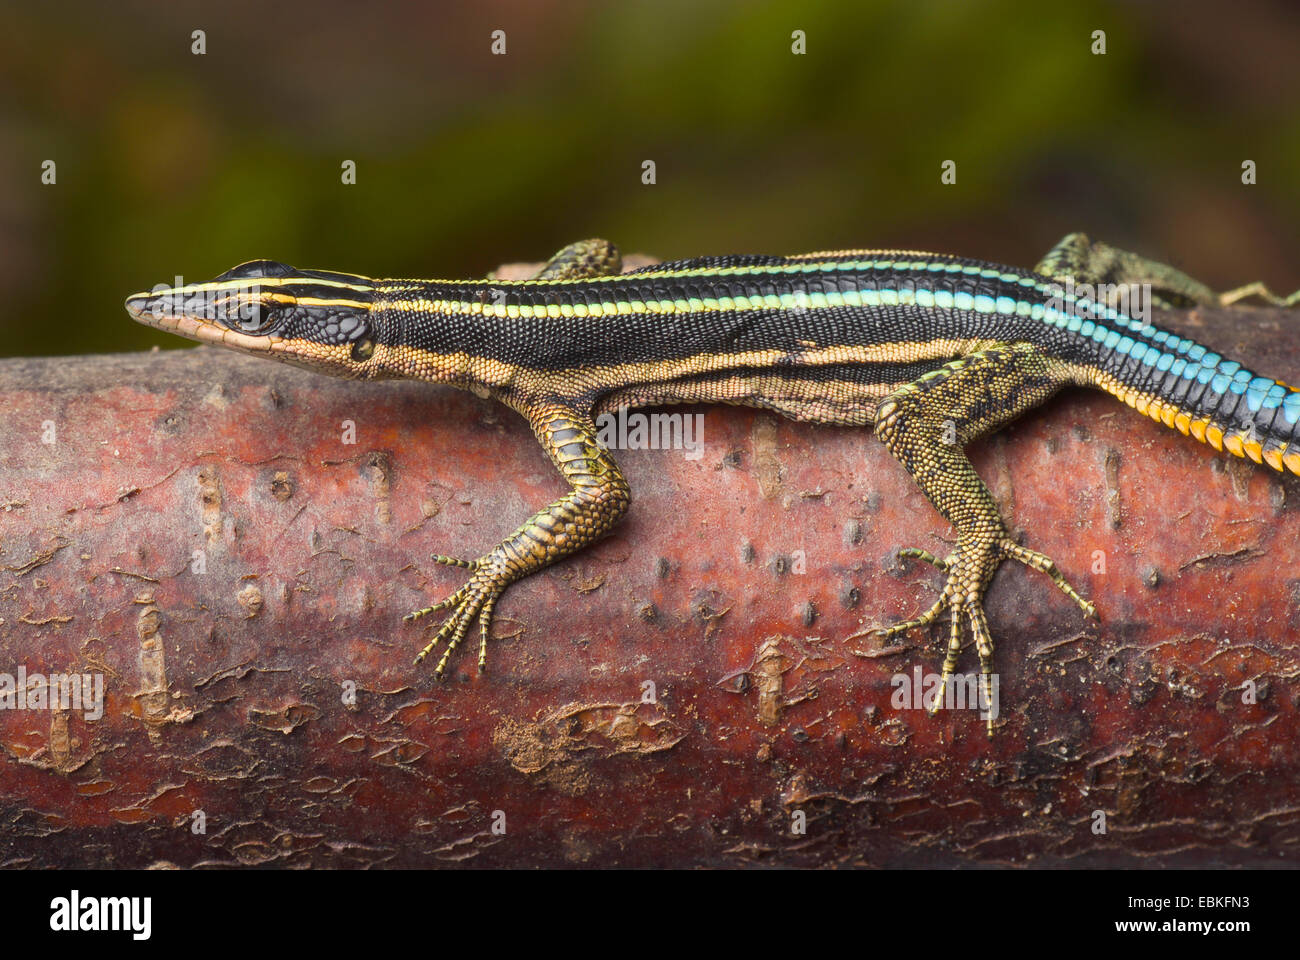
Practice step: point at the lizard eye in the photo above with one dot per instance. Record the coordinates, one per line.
(253, 317)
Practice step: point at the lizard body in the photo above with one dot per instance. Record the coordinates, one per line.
(930, 350)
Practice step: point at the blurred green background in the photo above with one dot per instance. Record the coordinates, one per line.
(172, 163)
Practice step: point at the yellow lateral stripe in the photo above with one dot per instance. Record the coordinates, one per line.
(805, 263)
(253, 282)
(608, 308)
(771, 269)
(286, 298)
(316, 301)
(798, 264)
(825, 254)
(801, 264)
(848, 402)
(496, 373)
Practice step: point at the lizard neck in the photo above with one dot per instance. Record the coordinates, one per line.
(451, 333)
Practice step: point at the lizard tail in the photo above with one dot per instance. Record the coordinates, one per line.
(1204, 396)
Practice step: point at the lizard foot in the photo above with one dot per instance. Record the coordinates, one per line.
(969, 569)
(477, 598)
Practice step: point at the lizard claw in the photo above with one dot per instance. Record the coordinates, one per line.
(470, 565)
(970, 568)
(476, 599)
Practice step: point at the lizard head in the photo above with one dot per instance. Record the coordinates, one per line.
(309, 318)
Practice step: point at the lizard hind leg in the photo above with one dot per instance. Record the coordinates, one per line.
(1097, 263)
(970, 568)
(925, 425)
(1261, 290)
(1094, 262)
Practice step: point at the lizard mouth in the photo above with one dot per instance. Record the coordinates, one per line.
(141, 307)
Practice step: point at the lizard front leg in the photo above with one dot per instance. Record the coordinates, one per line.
(598, 498)
(925, 424)
(583, 258)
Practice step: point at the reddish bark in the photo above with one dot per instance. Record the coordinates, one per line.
(229, 691)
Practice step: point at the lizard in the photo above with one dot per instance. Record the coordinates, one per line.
(931, 351)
